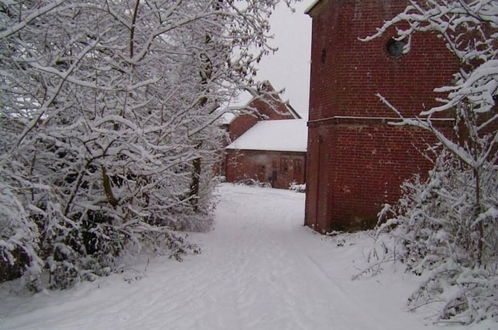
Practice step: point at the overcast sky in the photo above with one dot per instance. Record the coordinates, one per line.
(289, 68)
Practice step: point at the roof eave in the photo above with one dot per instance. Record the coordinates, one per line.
(293, 111)
(311, 7)
(266, 150)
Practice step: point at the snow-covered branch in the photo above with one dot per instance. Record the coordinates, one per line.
(108, 126)
(445, 226)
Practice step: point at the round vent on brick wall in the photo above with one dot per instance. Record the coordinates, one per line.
(395, 47)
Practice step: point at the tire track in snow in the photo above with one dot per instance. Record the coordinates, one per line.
(258, 270)
(277, 271)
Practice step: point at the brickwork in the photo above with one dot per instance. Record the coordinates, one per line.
(347, 72)
(279, 169)
(240, 125)
(356, 161)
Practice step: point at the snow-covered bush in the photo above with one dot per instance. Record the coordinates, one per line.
(107, 126)
(297, 187)
(441, 235)
(446, 227)
(254, 183)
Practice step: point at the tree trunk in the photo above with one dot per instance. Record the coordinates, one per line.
(477, 211)
(195, 184)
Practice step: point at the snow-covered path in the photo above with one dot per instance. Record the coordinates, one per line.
(259, 269)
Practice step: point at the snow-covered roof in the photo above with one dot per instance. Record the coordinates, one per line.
(274, 135)
(243, 101)
(227, 118)
(233, 106)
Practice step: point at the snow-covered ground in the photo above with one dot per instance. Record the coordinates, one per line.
(259, 269)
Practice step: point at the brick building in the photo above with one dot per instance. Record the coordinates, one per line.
(356, 160)
(272, 151)
(279, 157)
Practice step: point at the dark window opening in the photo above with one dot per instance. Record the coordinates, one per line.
(395, 47)
(297, 165)
(324, 55)
(283, 165)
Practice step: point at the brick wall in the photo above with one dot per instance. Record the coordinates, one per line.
(347, 73)
(240, 125)
(356, 164)
(278, 168)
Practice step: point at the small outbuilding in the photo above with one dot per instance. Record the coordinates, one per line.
(272, 151)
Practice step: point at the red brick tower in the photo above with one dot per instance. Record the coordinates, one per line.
(356, 161)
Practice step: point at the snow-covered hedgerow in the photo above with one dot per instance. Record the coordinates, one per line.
(440, 234)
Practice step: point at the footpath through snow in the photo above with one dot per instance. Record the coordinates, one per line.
(259, 269)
